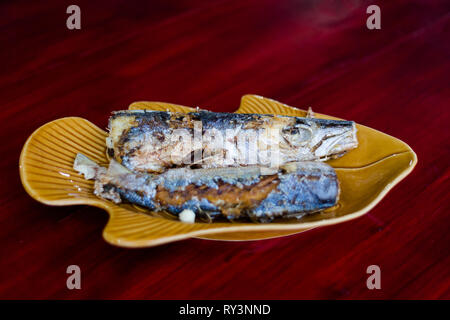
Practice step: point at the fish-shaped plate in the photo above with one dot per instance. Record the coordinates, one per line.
(366, 174)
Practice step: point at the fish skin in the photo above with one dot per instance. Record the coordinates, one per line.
(294, 190)
(141, 140)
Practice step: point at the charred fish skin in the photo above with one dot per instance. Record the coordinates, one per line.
(142, 140)
(251, 192)
(314, 187)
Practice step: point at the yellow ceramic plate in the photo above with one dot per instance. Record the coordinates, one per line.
(366, 174)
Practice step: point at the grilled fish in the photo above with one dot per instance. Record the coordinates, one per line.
(254, 192)
(154, 141)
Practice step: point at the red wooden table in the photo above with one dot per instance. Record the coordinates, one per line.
(210, 53)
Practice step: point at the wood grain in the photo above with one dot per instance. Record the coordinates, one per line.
(210, 53)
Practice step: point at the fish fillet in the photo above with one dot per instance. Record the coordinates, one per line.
(154, 141)
(253, 192)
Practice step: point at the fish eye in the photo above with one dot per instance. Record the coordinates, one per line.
(298, 135)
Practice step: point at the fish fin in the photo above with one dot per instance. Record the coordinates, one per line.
(116, 169)
(310, 113)
(86, 166)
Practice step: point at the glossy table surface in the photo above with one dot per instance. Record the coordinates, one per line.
(209, 54)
